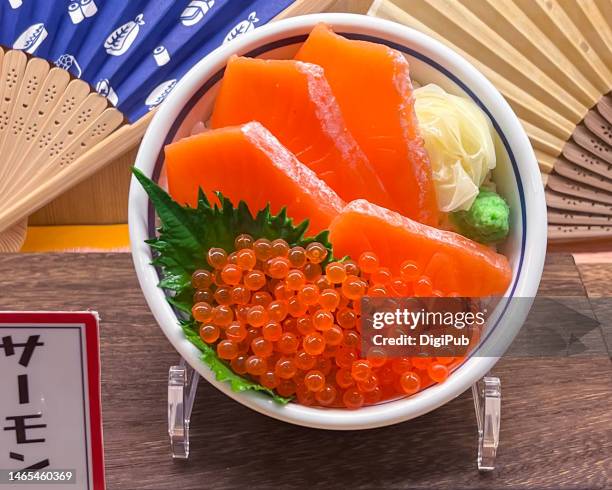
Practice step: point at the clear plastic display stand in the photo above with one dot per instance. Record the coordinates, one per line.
(183, 384)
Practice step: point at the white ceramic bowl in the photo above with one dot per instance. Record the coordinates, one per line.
(517, 178)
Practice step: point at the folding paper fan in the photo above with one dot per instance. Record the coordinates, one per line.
(80, 78)
(552, 60)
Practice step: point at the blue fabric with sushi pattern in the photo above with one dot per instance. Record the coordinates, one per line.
(133, 52)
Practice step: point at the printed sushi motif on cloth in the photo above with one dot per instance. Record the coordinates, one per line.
(69, 63)
(81, 10)
(103, 87)
(195, 12)
(122, 38)
(242, 27)
(31, 38)
(161, 55)
(159, 93)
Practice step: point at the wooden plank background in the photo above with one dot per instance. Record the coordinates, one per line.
(556, 419)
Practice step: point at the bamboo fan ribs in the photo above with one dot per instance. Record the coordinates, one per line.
(79, 81)
(47, 122)
(552, 61)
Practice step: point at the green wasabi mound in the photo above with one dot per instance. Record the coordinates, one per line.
(487, 221)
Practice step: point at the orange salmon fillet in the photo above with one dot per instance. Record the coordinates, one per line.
(454, 263)
(248, 163)
(372, 85)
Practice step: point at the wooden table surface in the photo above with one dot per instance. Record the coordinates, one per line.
(556, 420)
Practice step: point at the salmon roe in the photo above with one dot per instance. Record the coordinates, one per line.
(288, 318)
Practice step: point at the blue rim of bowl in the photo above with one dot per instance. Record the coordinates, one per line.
(409, 51)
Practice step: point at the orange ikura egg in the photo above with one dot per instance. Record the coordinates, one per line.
(269, 379)
(254, 280)
(316, 252)
(381, 275)
(322, 320)
(243, 241)
(285, 387)
(280, 248)
(313, 272)
(352, 339)
(216, 257)
(262, 347)
(345, 356)
(285, 368)
(246, 259)
(209, 333)
(295, 307)
(256, 365)
(278, 267)
(353, 398)
(329, 299)
(335, 272)
(223, 295)
(314, 380)
(304, 361)
(262, 298)
(410, 382)
(272, 331)
(308, 294)
(409, 271)
(201, 279)
(263, 249)
(238, 364)
(322, 283)
(277, 310)
(314, 343)
(369, 384)
(437, 372)
(353, 287)
(295, 279)
(257, 316)
(327, 395)
(231, 274)
(346, 318)
(304, 325)
(423, 287)
(361, 370)
(333, 336)
(281, 291)
(240, 295)
(236, 332)
(373, 396)
(344, 378)
(203, 296)
(352, 269)
(401, 365)
(368, 262)
(202, 312)
(288, 343)
(222, 315)
(297, 257)
(227, 349)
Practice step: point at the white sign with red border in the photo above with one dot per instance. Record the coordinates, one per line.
(50, 404)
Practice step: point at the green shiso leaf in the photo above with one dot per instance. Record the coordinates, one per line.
(186, 234)
(222, 371)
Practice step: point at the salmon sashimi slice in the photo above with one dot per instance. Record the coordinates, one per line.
(454, 263)
(248, 163)
(294, 101)
(372, 84)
